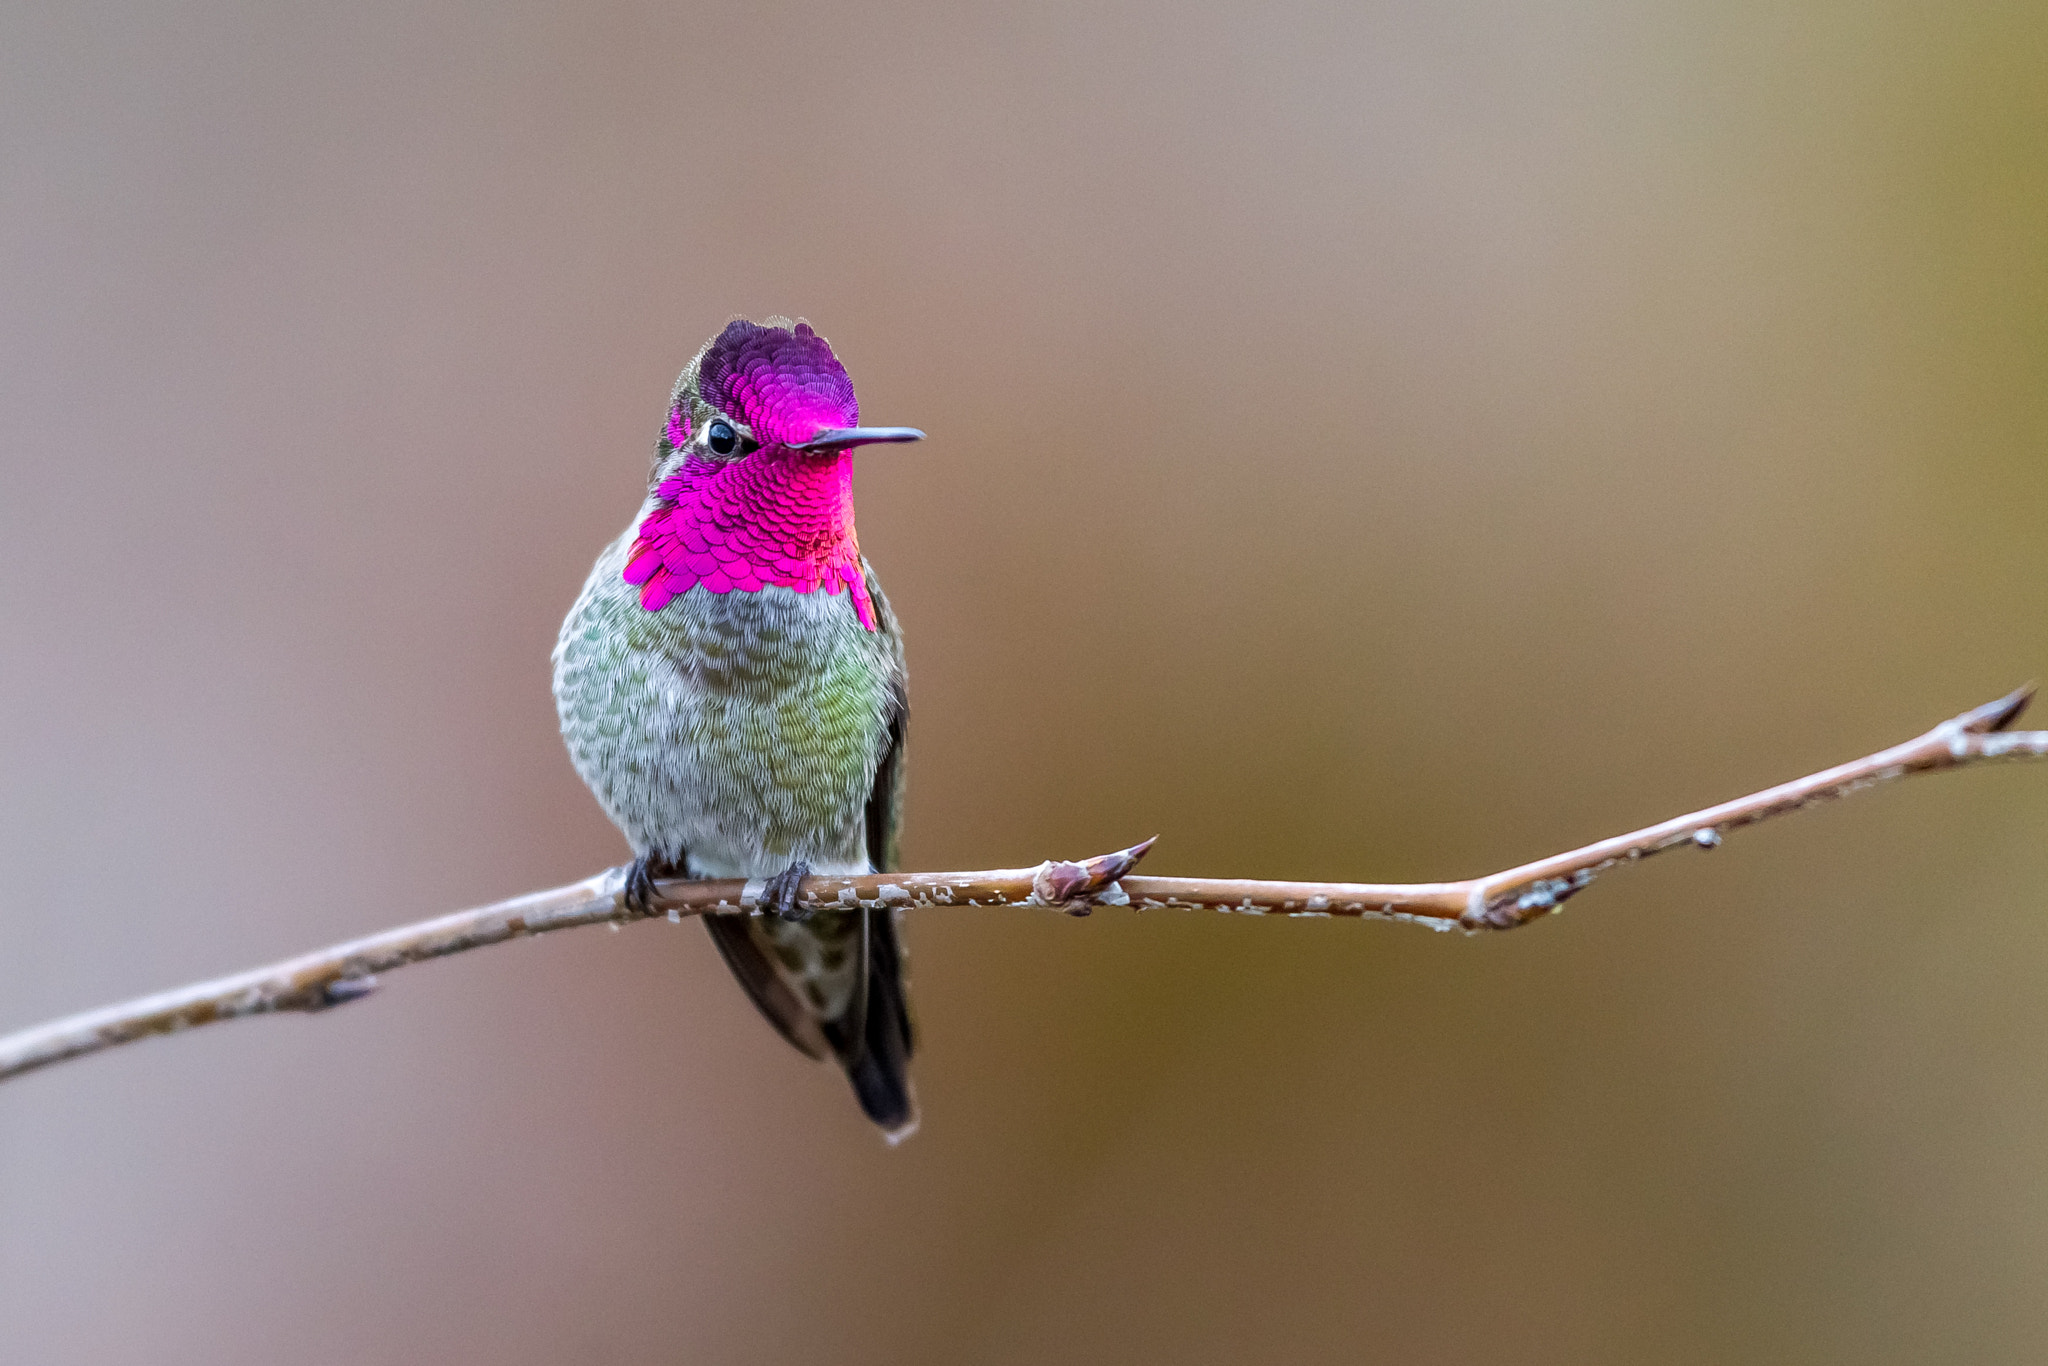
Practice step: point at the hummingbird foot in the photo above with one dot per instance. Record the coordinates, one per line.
(641, 873)
(780, 892)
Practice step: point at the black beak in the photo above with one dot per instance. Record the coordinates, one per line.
(840, 438)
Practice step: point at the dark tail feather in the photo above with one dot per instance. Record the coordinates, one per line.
(880, 1067)
(739, 945)
(871, 1039)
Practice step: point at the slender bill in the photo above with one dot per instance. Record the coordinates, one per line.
(840, 438)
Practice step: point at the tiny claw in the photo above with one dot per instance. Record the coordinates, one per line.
(639, 893)
(1993, 716)
(780, 893)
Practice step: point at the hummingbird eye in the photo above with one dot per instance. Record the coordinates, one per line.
(721, 438)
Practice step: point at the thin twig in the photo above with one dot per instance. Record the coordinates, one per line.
(1498, 901)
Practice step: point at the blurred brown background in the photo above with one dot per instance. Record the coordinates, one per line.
(1373, 441)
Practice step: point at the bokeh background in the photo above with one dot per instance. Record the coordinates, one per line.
(1368, 441)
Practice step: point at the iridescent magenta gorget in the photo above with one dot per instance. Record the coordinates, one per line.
(780, 514)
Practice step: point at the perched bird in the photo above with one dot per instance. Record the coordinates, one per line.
(731, 687)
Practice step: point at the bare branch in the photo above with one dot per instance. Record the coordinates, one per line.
(1498, 901)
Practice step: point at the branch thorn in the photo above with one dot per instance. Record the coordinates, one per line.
(342, 990)
(1075, 886)
(2000, 714)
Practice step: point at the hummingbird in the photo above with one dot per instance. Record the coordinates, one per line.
(731, 686)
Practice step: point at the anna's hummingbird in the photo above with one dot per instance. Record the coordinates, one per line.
(731, 686)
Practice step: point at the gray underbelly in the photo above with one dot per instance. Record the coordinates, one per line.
(740, 729)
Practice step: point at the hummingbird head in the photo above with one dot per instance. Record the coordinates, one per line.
(752, 483)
